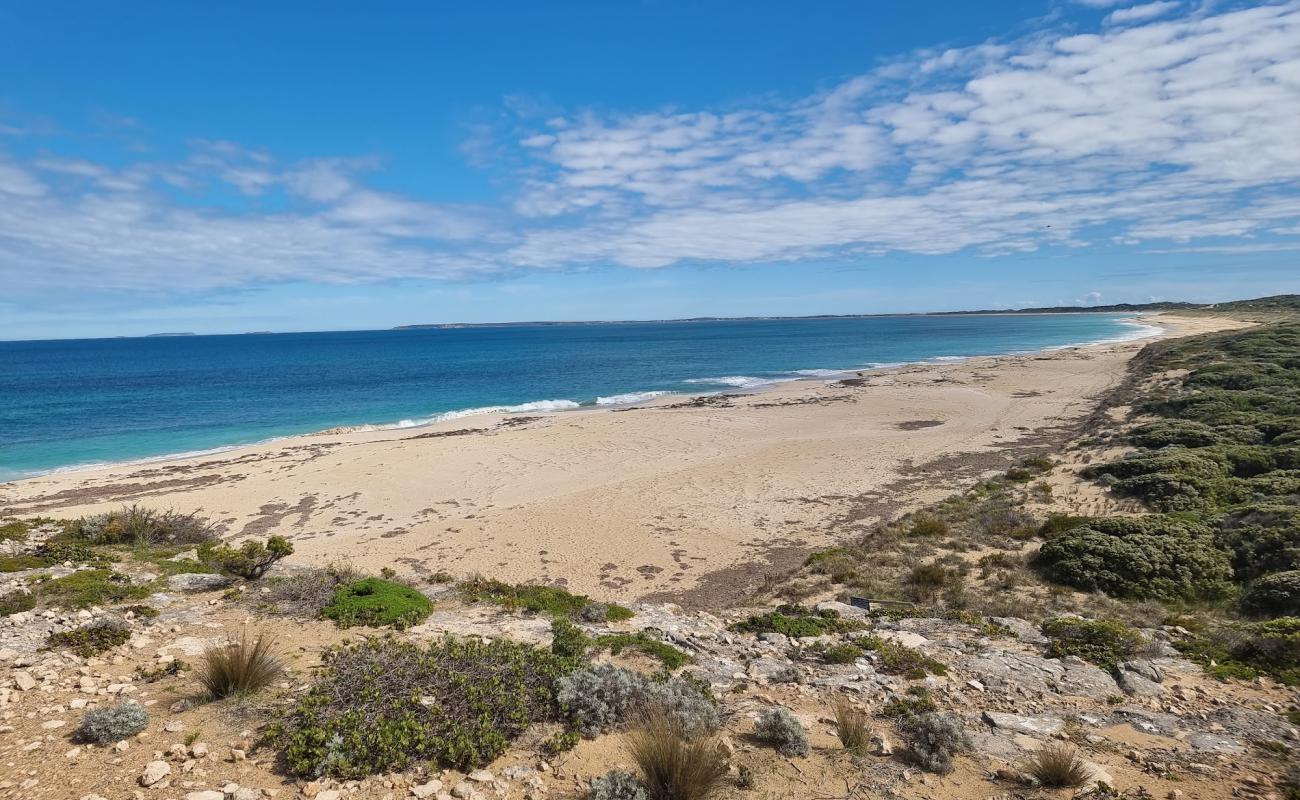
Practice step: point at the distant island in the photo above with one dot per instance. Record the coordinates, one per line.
(179, 333)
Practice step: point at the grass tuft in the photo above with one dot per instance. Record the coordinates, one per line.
(1059, 765)
(853, 727)
(672, 766)
(239, 667)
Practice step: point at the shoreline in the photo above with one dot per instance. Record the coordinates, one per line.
(1140, 320)
(691, 500)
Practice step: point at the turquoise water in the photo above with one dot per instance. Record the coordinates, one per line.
(76, 402)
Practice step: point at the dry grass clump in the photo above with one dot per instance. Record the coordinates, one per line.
(672, 766)
(1059, 765)
(239, 667)
(853, 727)
(305, 592)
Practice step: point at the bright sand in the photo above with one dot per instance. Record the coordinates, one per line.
(625, 504)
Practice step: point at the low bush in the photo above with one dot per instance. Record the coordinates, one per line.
(617, 785)
(1143, 558)
(377, 603)
(1276, 595)
(1103, 643)
(13, 530)
(21, 563)
(779, 728)
(385, 704)
(567, 639)
(675, 766)
(16, 601)
(853, 727)
(924, 525)
(241, 667)
(92, 587)
(797, 622)
(304, 593)
(1059, 765)
(93, 638)
(601, 697)
(550, 600)
(917, 701)
(250, 560)
(644, 643)
(113, 724)
(843, 653)
(898, 659)
(144, 527)
(933, 739)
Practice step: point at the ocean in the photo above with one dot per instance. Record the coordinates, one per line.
(71, 403)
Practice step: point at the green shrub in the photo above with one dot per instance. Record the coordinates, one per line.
(93, 638)
(21, 563)
(386, 704)
(797, 622)
(1262, 539)
(1181, 432)
(550, 600)
(250, 560)
(1104, 643)
(16, 601)
(92, 587)
(113, 724)
(917, 701)
(377, 603)
(1142, 558)
(14, 530)
(843, 653)
(1275, 595)
(924, 525)
(779, 728)
(898, 659)
(1058, 523)
(643, 642)
(567, 639)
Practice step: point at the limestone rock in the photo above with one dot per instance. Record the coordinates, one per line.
(154, 772)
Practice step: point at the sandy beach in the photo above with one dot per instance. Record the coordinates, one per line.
(693, 499)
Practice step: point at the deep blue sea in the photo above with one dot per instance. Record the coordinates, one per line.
(76, 402)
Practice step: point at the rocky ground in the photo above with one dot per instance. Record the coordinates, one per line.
(1154, 727)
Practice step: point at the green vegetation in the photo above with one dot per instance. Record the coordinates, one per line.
(797, 622)
(13, 531)
(143, 527)
(643, 642)
(251, 560)
(1248, 650)
(1274, 595)
(20, 563)
(897, 659)
(933, 739)
(550, 600)
(16, 601)
(377, 603)
(385, 704)
(842, 653)
(1104, 643)
(917, 701)
(91, 587)
(779, 728)
(91, 639)
(1153, 557)
(113, 724)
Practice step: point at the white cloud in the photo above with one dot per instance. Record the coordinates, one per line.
(1141, 13)
(1170, 130)
(1162, 133)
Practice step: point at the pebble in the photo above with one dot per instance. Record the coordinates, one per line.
(154, 772)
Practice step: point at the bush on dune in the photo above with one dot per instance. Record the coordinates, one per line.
(377, 603)
(144, 527)
(386, 704)
(250, 560)
(1275, 595)
(602, 697)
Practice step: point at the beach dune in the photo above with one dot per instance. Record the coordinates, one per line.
(689, 499)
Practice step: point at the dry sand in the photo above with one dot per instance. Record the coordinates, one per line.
(690, 499)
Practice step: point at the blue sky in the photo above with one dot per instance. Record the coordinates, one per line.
(252, 166)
